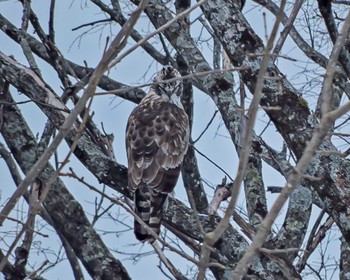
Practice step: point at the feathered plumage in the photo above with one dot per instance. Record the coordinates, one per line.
(157, 137)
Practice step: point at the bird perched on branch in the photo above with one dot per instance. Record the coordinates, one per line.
(157, 136)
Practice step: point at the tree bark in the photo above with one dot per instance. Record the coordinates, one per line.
(65, 211)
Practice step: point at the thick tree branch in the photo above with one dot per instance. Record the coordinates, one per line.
(327, 14)
(82, 72)
(190, 170)
(254, 187)
(344, 260)
(212, 237)
(294, 121)
(116, 46)
(295, 225)
(70, 221)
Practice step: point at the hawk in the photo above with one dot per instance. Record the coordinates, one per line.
(157, 136)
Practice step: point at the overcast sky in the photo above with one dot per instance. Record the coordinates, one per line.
(113, 112)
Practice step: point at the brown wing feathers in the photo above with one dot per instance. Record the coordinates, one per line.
(156, 141)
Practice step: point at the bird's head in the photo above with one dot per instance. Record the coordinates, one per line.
(169, 91)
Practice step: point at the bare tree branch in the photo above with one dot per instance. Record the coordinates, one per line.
(211, 238)
(317, 138)
(69, 223)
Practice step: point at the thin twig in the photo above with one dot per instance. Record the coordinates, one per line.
(172, 269)
(184, 77)
(301, 264)
(287, 27)
(22, 223)
(128, 209)
(160, 29)
(92, 23)
(33, 273)
(212, 162)
(279, 251)
(206, 128)
(193, 206)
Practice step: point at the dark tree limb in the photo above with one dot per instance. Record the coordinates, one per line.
(82, 72)
(327, 14)
(190, 170)
(72, 258)
(344, 265)
(230, 247)
(325, 8)
(24, 43)
(294, 120)
(22, 251)
(254, 187)
(295, 225)
(65, 211)
(313, 242)
(9, 271)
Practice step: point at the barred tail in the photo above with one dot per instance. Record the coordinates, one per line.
(149, 208)
(143, 210)
(157, 203)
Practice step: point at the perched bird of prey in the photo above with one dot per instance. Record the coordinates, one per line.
(157, 137)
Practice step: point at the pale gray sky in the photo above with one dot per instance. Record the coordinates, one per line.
(114, 113)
